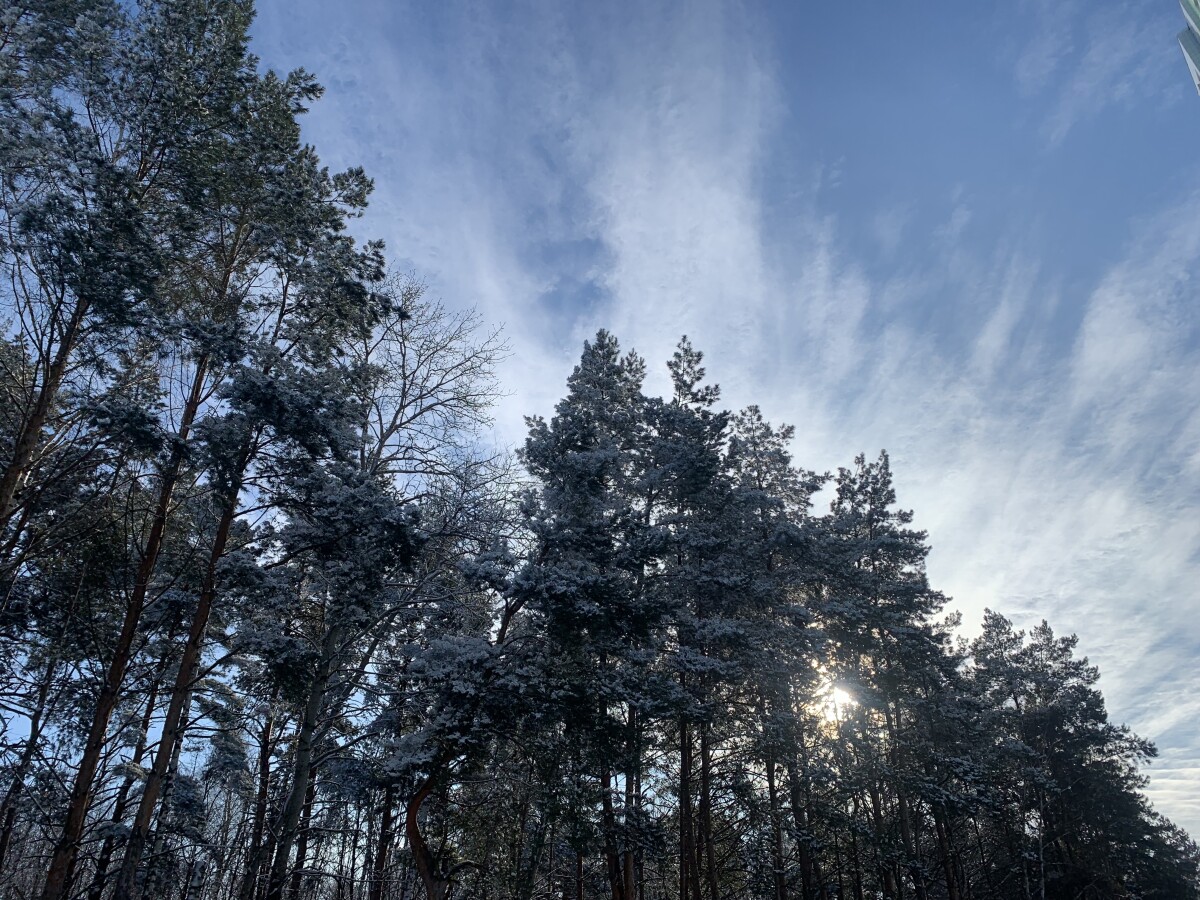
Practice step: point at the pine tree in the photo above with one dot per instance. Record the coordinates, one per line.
(589, 582)
(1073, 822)
(275, 621)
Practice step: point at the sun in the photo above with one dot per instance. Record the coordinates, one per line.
(835, 703)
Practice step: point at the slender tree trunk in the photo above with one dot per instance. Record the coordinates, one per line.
(632, 799)
(777, 853)
(17, 785)
(628, 854)
(527, 863)
(154, 874)
(890, 887)
(303, 836)
(344, 878)
(231, 837)
(293, 808)
(689, 869)
(910, 845)
(947, 854)
(855, 854)
(29, 436)
(710, 850)
(62, 863)
(516, 849)
(256, 852)
(172, 733)
(187, 878)
(907, 837)
(611, 852)
(984, 864)
(366, 818)
(365, 834)
(121, 804)
(437, 885)
(385, 844)
(809, 877)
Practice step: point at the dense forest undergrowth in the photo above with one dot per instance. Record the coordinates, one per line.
(275, 622)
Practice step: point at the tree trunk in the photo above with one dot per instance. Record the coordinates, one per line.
(17, 785)
(293, 808)
(303, 835)
(231, 836)
(890, 885)
(172, 733)
(611, 852)
(809, 877)
(527, 864)
(632, 798)
(910, 844)
(777, 857)
(689, 863)
(30, 435)
(96, 890)
(628, 854)
(62, 863)
(254, 858)
(944, 848)
(907, 836)
(385, 844)
(356, 833)
(437, 885)
(710, 850)
(154, 873)
(855, 854)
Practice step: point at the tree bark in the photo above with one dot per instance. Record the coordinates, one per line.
(890, 883)
(632, 798)
(66, 849)
(254, 858)
(855, 853)
(437, 885)
(710, 850)
(303, 836)
(777, 857)
(689, 863)
(944, 848)
(17, 785)
(385, 844)
(154, 875)
(628, 853)
(611, 852)
(910, 845)
(809, 878)
(30, 434)
(907, 837)
(294, 807)
(172, 733)
(96, 890)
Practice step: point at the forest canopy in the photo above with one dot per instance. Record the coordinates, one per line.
(277, 621)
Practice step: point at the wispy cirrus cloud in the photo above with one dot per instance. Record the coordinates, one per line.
(568, 169)
(1053, 486)
(1090, 57)
(1051, 44)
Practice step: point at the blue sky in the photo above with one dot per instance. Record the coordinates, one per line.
(966, 232)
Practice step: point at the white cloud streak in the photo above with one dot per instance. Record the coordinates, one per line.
(1126, 54)
(1056, 481)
